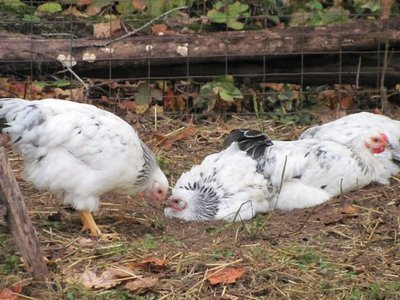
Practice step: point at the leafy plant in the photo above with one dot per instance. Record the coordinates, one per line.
(49, 7)
(149, 243)
(14, 6)
(363, 6)
(314, 14)
(222, 88)
(229, 14)
(156, 8)
(10, 264)
(163, 163)
(256, 225)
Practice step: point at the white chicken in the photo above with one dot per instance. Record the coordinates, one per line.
(348, 127)
(79, 152)
(254, 175)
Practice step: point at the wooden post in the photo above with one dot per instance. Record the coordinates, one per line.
(19, 222)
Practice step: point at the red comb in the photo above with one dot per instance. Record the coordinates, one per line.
(385, 137)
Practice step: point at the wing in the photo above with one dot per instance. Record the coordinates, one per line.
(348, 127)
(325, 165)
(73, 146)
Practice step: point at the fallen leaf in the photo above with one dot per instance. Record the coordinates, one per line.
(93, 10)
(346, 102)
(86, 242)
(83, 2)
(154, 261)
(168, 98)
(17, 287)
(129, 105)
(7, 294)
(122, 271)
(331, 115)
(106, 280)
(139, 5)
(228, 275)
(141, 284)
(349, 209)
(106, 30)
(159, 29)
(273, 86)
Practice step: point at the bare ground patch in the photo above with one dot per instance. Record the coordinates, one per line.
(347, 248)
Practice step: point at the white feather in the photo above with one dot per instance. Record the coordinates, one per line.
(289, 175)
(240, 189)
(348, 127)
(77, 151)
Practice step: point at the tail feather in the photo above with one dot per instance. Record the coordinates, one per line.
(18, 115)
(253, 142)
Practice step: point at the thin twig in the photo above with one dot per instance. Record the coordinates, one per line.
(85, 85)
(384, 98)
(358, 73)
(142, 27)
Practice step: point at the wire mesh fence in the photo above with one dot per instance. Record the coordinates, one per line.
(278, 57)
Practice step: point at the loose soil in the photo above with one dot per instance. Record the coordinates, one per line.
(347, 248)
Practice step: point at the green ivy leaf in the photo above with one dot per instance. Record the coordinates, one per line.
(226, 96)
(235, 25)
(30, 18)
(237, 8)
(274, 19)
(219, 5)
(14, 5)
(143, 94)
(315, 5)
(50, 7)
(61, 83)
(216, 16)
(125, 6)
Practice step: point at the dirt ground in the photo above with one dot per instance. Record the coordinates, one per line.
(347, 248)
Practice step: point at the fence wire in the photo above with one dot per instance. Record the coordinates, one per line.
(281, 82)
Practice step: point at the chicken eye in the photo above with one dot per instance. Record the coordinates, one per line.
(375, 140)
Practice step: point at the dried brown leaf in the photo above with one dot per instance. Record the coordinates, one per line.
(93, 10)
(83, 2)
(346, 102)
(159, 29)
(106, 30)
(106, 280)
(7, 294)
(129, 105)
(228, 275)
(17, 288)
(82, 241)
(141, 284)
(273, 86)
(139, 5)
(349, 209)
(154, 261)
(122, 271)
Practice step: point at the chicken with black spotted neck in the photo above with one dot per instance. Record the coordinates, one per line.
(254, 175)
(348, 127)
(79, 152)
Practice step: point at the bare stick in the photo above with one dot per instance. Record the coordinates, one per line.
(384, 98)
(19, 222)
(142, 27)
(358, 73)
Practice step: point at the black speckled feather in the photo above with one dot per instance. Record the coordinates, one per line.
(253, 142)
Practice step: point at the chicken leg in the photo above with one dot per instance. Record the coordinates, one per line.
(89, 223)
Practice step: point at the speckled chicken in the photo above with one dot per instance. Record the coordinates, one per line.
(348, 127)
(79, 152)
(254, 175)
